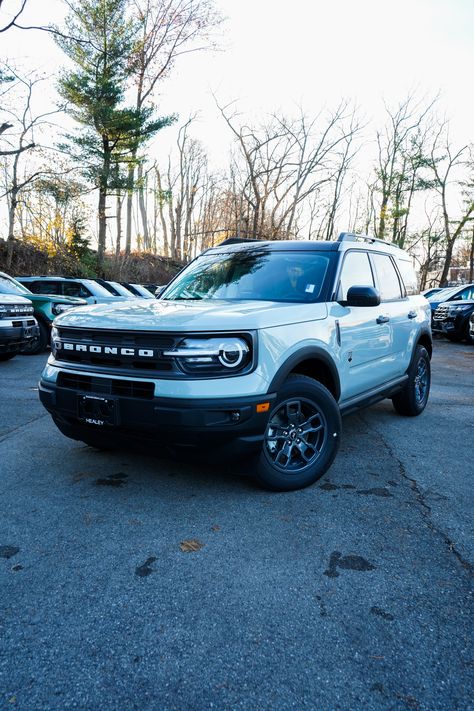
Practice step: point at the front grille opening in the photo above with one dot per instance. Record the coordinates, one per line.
(106, 386)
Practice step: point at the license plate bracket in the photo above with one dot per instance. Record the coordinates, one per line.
(97, 411)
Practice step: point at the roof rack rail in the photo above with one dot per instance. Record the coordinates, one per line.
(238, 240)
(352, 237)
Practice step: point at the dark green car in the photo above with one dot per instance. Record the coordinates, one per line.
(46, 306)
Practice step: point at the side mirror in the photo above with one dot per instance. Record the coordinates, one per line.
(362, 296)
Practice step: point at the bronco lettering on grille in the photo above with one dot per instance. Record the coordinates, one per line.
(106, 350)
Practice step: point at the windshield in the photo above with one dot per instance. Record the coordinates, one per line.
(252, 275)
(443, 294)
(8, 285)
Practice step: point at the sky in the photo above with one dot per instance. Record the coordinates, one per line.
(276, 56)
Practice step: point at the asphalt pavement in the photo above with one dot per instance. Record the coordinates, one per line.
(129, 581)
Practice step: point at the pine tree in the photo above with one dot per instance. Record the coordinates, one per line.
(99, 41)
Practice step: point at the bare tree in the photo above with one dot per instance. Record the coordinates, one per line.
(18, 9)
(445, 162)
(400, 156)
(168, 30)
(283, 162)
(20, 137)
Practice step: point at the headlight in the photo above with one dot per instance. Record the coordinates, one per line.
(54, 339)
(61, 308)
(457, 309)
(219, 355)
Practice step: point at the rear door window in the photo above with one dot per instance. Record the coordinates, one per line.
(387, 277)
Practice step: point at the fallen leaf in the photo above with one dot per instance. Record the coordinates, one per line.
(215, 528)
(191, 545)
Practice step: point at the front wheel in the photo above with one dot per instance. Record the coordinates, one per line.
(411, 401)
(302, 436)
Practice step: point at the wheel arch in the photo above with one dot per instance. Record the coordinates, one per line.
(314, 362)
(424, 339)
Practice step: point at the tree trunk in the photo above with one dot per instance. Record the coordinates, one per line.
(128, 235)
(11, 226)
(471, 258)
(142, 206)
(102, 206)
(118, 244)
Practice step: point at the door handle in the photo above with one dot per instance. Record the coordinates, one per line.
(412, 314)
(383, 319)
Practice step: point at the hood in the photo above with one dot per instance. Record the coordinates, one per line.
(9, 299)
(57, 299)
(205, 315)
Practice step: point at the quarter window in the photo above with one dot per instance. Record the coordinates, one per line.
(409, 276)
(388, 282)
(356, 271)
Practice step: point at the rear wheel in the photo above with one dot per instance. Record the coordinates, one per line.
(302, 436)
(411, 401)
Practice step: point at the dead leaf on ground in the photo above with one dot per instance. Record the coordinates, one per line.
(191, 546)
(215, 528)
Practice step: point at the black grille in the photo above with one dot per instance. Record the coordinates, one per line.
(106, 386)
(150, 343)
(441, 313)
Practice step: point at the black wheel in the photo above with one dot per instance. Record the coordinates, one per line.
(411, 401)
(302, 436)
(8, 356)
(40, 344)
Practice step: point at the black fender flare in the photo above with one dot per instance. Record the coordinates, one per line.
(424, 332)
(307, 353)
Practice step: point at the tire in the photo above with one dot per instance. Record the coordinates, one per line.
(7, 356)
(38, 345)
(302, 436)
(468, 337)
(411, 401)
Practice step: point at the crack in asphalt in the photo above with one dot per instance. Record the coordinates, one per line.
(19, 427)
(424, 507)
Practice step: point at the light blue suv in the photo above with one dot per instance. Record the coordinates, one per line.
(256, 348)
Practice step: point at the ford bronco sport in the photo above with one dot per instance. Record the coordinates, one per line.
(255, 346)
(18, 326)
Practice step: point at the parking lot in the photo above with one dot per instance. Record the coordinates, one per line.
(133, 582)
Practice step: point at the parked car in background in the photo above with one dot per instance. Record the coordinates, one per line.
(138, 290)
(18, 326)
(452, 319)
(471, 327)
(429, 292)
(451, 293)
(46, 308)
(115, 288)
(89, 289)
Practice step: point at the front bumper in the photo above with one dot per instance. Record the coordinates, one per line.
(171, 421)
(14, 338)
(452, 325)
